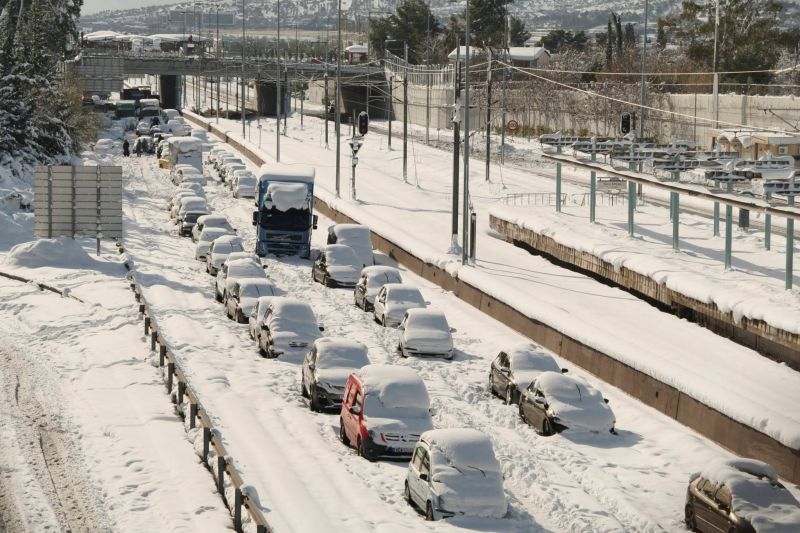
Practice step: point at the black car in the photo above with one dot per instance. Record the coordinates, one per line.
(731, 495)
(514, 369)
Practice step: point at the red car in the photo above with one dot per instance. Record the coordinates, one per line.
(385, 409)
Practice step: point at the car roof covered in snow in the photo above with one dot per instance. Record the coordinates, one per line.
(756, 494)
(463, 447)
(278, 172)
(341, 254)
(340, 353)
(527, 355)
(395, 386)
(185, 144)
(427, 318)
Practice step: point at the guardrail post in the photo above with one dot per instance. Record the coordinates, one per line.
(237, 510)
(558, 187)
(716, 212)
(789, 246)
(593, 187)
(767, 227)
(153, 336)
(146, 324)
(181, 391)
(206, 443)
(676, 211)
(192, 414)
(221, 475)
(728, 229)
(473, 225)
(170, 370)
(162, 354)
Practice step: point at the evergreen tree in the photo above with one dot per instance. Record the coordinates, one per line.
(518, 34)
(410, 22)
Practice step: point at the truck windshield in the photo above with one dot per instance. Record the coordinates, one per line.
(289, 220)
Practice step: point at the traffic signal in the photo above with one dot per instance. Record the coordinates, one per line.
(625, 123)
(363, 123)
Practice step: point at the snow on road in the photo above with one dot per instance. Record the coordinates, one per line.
(90, 440)
(307, 479)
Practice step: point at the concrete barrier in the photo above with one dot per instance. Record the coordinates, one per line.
(731, 434)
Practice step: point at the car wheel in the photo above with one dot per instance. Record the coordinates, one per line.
(326, 280)
(314, 402)
(217, 296)
(509, 396)
(303, 390)
(240, 317)
(343, 433)
(362, 451)
(407, 493)
(689, 519)
(547, 428)
(429, 512)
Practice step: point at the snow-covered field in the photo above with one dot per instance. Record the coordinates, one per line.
(104, 391)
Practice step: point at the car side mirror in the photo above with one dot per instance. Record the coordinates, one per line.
(355, 410)
(564, 370)
(606, 400)
(423, 477)
(314, 220)
(453, 330)
(255, 218)
(322, 328)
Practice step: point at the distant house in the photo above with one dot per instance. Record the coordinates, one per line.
(528, 56)
(356, 53)
(752, 144)
(461, 52)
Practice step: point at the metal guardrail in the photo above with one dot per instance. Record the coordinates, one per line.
(65, 293)
(549, 198)
(179, 388)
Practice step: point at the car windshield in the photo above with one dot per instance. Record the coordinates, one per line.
(379, 280)
(374, 407)
(248, 270)
(192, 217)
(340, 256)
(342, 357)
(427, 321)
(254, 290)
(228, 248)
(247, 181)
(406, 295)
(532, 361)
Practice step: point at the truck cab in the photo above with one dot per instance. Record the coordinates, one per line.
(284, 219)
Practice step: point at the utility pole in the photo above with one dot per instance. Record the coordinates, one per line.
(716, 75)
(391, 109)
(428, 78)
(337, 118)
(488, 111)
(405, 111)
(465, 210)
(327, 102)
(642, 96)
(456, 144)
(243, 80)
(504, 88)
(219, 107)
(278, 89)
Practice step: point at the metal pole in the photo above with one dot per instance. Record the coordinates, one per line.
(789, 245)
(327, 104)
(558, 187)
(644, 60)
(593, 187)
(405, 111)
(219, 106)
(338, 118)
(465, 216)
(391, 109)
(768, 226)
(716, 212)
(488, 112)
(456, 144)
(244, 17)
(728, 229)
(631, 206)
(278, 90)
(716, 75)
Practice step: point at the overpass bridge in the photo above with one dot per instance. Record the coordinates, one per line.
(106, 73)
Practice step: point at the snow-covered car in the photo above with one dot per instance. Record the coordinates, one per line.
(143, 127)
(104, 146)
(742, 496)
(356, 237)
(225, 160)
(256, 317)
(177, 127)
(221, 248)
(206, 237)
(385, 409)
(244, 184)
(214, 153)
(326, 367)
(235, 256)
(211, 221)
(191, 186)
(555, 402)
(183, 193)
(289, 328)
(371, 280)
(162, 147)
(392, 302)
(187, 220)
(226, 174)
(242, 295)
(336, 266)
(170, 114)
(181, 172)
(200, 134)
(233, 270)
(454, 472)
(425, 332)
(196, 203)
(514, 369)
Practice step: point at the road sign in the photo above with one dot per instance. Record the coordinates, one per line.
(512, 125)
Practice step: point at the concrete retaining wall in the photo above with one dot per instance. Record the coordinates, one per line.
(718, 427)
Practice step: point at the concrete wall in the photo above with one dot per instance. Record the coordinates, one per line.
(723, 430)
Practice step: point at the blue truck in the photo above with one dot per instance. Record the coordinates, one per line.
(285, 218)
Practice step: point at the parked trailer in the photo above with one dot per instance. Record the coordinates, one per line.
(186, 150)
(285, 218)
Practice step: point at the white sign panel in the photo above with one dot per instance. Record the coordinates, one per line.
(78, 200)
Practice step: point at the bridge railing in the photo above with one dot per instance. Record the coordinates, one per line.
(433, 75)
